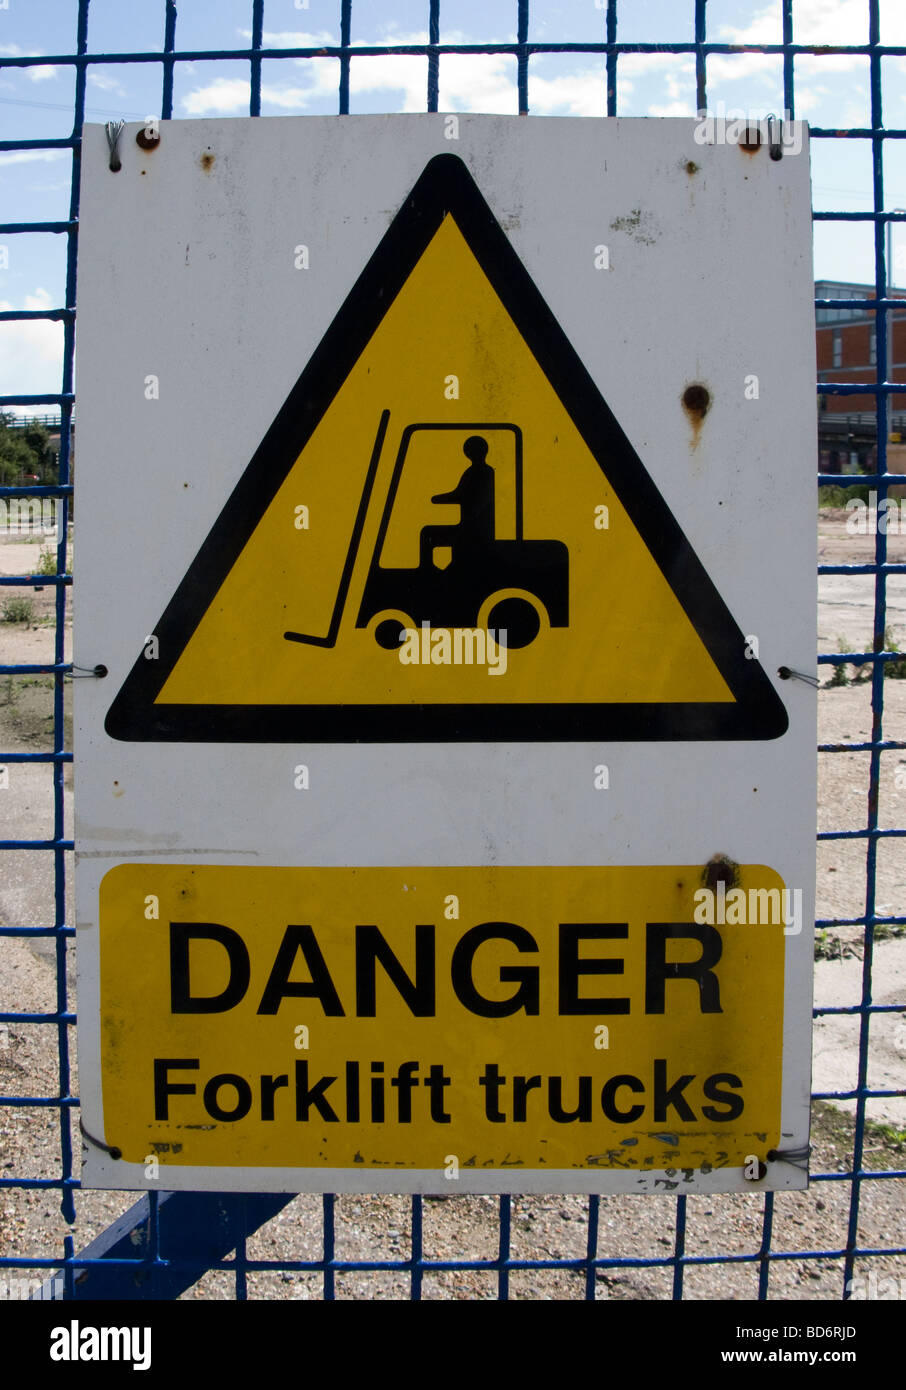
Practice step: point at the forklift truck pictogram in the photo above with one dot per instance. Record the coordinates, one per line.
(465, 576)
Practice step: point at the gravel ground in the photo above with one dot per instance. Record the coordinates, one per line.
(542, 1228)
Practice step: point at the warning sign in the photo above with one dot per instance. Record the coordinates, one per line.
(435, 1019)
(445, 534)
(443, 553)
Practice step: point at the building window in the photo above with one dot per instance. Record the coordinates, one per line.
(838, 349)
(873, 349)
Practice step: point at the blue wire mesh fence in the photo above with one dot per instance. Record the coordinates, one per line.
(163, 1245)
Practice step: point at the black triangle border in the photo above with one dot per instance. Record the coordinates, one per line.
(446, 187)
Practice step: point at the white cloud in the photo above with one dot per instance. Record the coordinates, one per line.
(31, 354)
(36, 74)
(292, 98)
(833, 65)
(40, 73)
(39, 300)
(739, 67)
(105, 82)
(830, 21)
(807, 98)
(467, 82)
(226, 96)
(479, 82)
(656, 76)
(229, 96)
(487, 82)
(764, 27)
(289, 38)
(395, 74)
(571, 94)
(673, 108)
(814, 21)
(30, 156)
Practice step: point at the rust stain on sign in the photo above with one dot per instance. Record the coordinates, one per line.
(696, 403)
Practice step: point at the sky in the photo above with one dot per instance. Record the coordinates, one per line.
(37, 102)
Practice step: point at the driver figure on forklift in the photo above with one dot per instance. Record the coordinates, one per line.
(474, 494)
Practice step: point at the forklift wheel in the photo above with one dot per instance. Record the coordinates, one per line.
(389, 634)
(517, 620)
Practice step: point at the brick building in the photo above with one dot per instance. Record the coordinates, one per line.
(847, 351)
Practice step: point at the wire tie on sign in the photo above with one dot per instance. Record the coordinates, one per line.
(110, 1149)
(786, 673)
(798, 1158)
(80, 672)
(775, 146)
(114, 130)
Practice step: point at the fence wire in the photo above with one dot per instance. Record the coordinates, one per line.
(165, 1244)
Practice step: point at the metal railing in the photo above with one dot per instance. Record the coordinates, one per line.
(166, 1242)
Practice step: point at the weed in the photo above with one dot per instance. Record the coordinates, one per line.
(40, 682)
(838, 673)
(895, 670)
(836, 496)
(18, 610)
(47, 561)
(890, 1134)
(827, 947)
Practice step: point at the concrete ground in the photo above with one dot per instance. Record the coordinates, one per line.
(375, 1227)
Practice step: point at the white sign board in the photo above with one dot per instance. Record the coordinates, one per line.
(445, 522)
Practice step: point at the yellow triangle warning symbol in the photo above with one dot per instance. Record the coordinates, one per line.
(446, 535)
